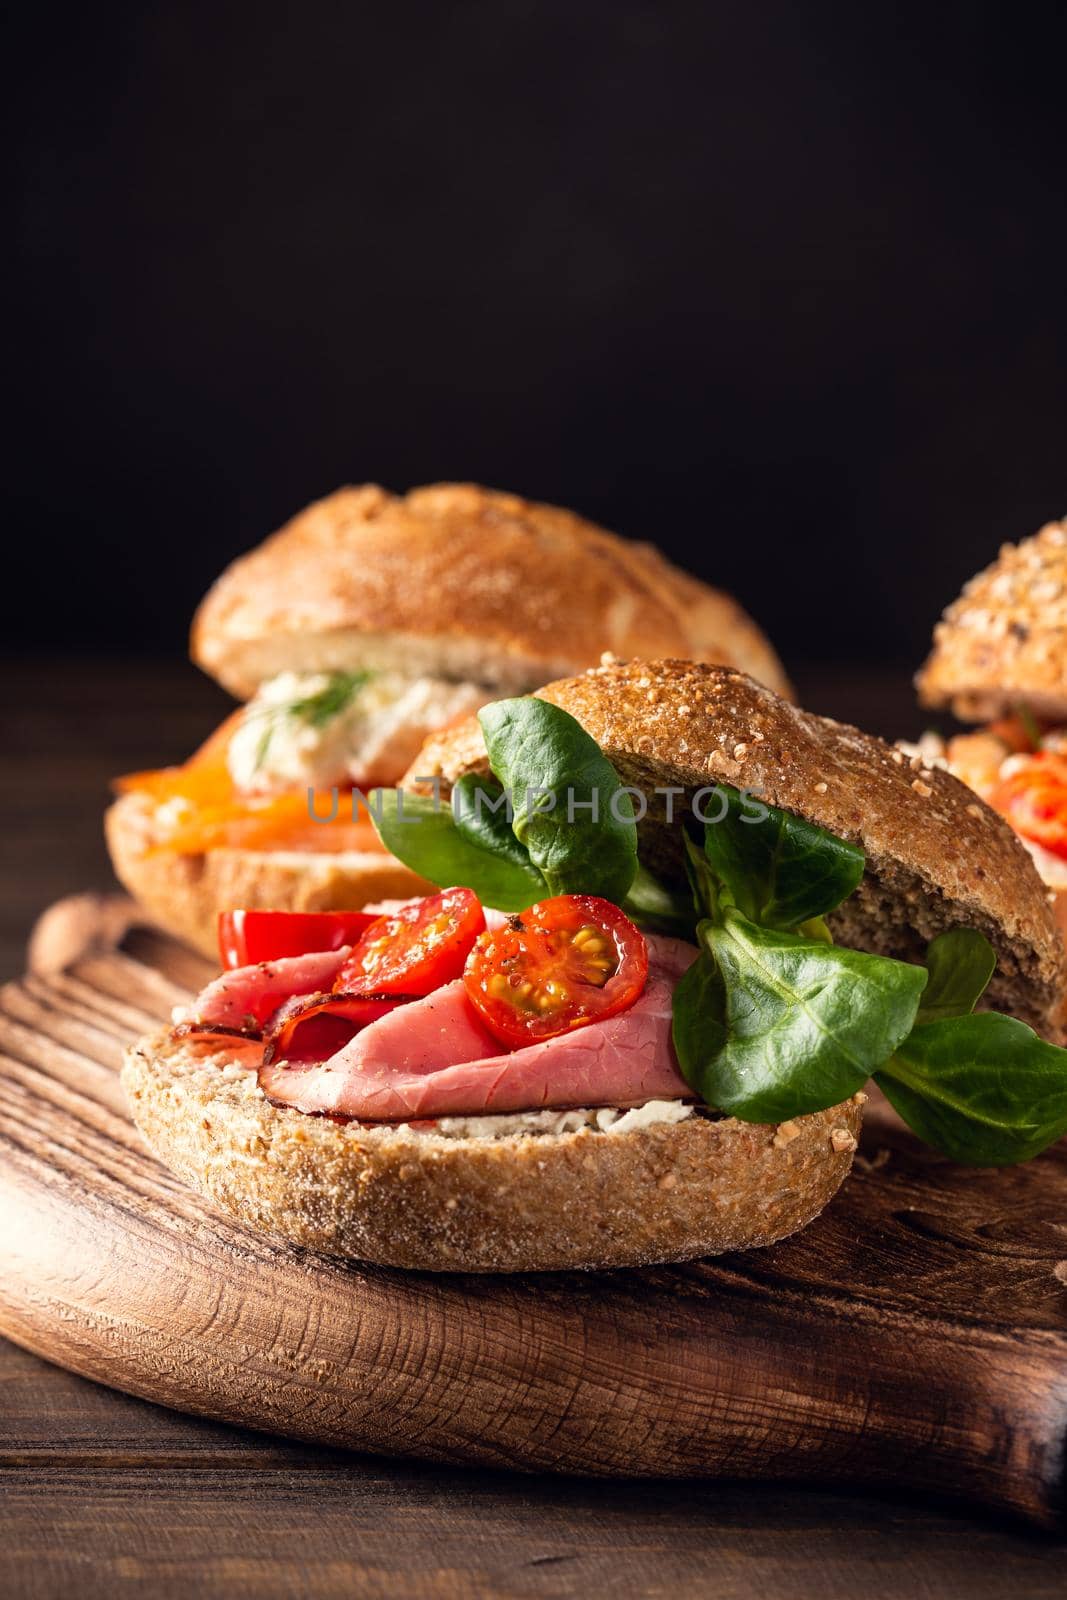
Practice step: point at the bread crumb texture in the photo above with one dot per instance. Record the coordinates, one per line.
(405, 1196)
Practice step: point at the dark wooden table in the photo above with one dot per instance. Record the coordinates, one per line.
(106, 1495)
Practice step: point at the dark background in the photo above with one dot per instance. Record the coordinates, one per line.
(781, 286)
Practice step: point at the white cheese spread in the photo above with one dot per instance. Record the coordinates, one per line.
(605, 1119)
(318, 729)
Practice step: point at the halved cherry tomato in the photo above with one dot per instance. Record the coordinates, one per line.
(417, 949)
(1034, 799)
(248, 937)
(564, 963)
(312, 1027)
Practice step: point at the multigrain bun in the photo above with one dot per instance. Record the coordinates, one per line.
(596, 1189)
(520, 1202)
(185, 893)
(1004, 641)
(937, 857)
(450, 581)
(460, 582)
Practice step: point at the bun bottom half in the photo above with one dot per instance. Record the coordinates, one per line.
(405, 1196)
(185, 894)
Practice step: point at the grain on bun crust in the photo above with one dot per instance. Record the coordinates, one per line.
(1004, 641)
(937, 857)
(405, 1197)
(457, 581)
(185, 893)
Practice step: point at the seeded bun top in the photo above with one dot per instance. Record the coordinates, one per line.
(1004, 641)
(937, 857)
(458, 582)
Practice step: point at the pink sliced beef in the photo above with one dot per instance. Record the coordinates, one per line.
(247, 996)
(433, 1058)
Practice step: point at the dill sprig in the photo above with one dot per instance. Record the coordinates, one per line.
(316, 709)
(1030, 725)
(327, 702)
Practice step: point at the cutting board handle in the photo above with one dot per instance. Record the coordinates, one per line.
(79, 926)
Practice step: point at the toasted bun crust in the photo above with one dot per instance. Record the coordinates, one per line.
(520, 1203)
(1005, 639)
(186, 893)
(459, 582)
(936, 856)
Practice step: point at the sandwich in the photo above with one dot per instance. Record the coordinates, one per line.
(677, 925)
(1000, 659)
(366, 623)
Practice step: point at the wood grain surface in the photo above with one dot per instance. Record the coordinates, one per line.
(111, 1495)
(914, 1336)
(105, 1496)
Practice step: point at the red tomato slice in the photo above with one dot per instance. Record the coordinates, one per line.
(249, 937)
(417, 949)
(1034, 800)
(313, 1027)
(564, 963)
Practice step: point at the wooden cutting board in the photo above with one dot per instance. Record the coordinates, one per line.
(914, 1336)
